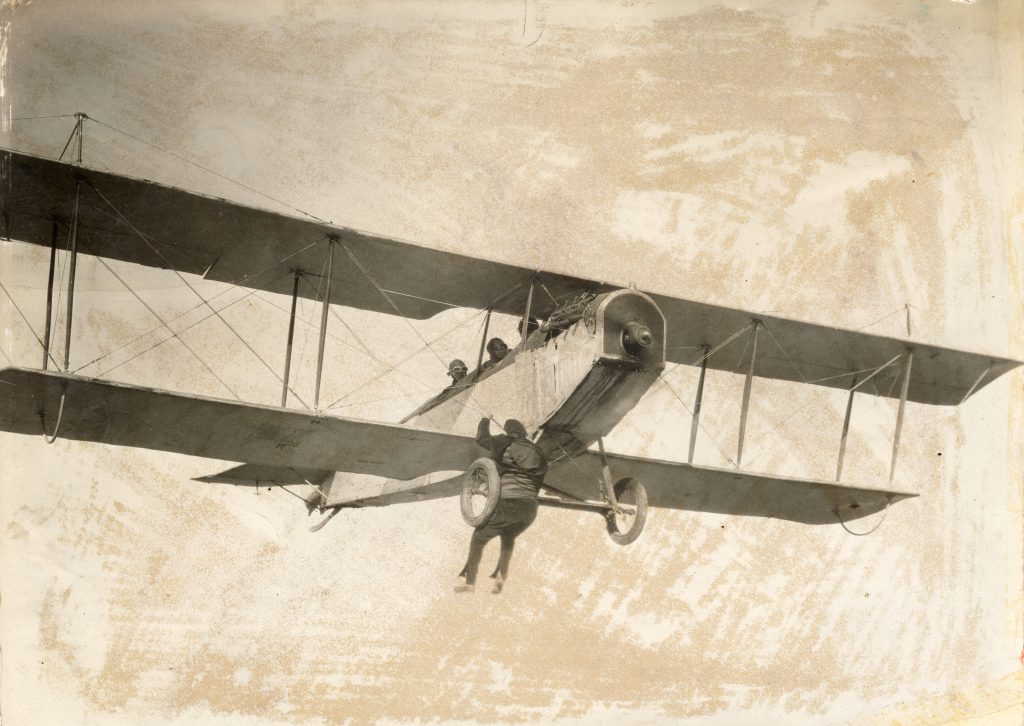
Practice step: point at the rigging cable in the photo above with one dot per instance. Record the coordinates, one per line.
(207, 169)
(36, 118)
(366, 350)
(232, 285)
(60, 287)
(309, 323)
(161, 342)
(700, 359)
(74, 132)
(410, 356)
(818, 394)
(196, 292)
(173, 334)
(29, 325)
(391, 302)
(422, 348)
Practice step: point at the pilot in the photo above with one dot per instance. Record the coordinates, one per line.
(497, 350)
(522, 466)
(457, 370)
(531, 325)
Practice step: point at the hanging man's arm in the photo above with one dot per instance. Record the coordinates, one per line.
(494, 444)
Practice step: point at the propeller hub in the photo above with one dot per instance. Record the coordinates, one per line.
(636, 337)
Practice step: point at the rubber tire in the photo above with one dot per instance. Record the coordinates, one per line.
(640, 495)
(470, 485)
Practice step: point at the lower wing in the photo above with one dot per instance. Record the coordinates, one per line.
(286, 446)
(280, 441)
(674, 485)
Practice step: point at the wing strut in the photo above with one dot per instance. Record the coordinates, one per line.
(291, 336)
(331, 239)
(49, 297)
(71, 277)
(483, 341)
(526, 315)
(846, 430)
(746, 394)
(77, 139)
(696, 403)
(908, 360)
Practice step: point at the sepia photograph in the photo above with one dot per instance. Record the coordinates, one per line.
(511, 362)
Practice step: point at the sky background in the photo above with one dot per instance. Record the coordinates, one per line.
(813, 160)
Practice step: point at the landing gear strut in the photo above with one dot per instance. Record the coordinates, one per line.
(626, 516)
(627, 503)
(623, 505)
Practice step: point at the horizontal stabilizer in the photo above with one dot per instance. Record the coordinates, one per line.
(262, 475)
(126, 415)
(159, 226)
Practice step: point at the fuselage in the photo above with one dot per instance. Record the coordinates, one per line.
(570, 382)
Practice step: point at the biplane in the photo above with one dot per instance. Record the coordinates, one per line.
(589, 350)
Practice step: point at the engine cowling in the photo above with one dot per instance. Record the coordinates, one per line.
(631, 329)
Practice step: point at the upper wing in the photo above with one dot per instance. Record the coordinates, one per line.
(159, 226)
(86, 409)
(151, 224)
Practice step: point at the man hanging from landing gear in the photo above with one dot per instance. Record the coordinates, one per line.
(522, 466)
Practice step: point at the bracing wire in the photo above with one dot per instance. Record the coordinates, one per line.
(38, 118)
(74, 132)
(545, 289)
(743, 353)
(309, 324)
(66, 258)
(366, 351)
(169, 338)
(208, 170)
(190, 287)
(422, 348)
(396, 366)
(232, 286)
(700, 359)
(391, 302)
(173, 334)
(721, 449)
(28, 324)
(818, 395)
(900, 309)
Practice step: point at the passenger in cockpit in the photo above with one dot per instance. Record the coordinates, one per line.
(497, 350)
(457, 370)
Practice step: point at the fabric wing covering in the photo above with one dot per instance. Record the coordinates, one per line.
(284, 447)
(86, 409)
(159, 226)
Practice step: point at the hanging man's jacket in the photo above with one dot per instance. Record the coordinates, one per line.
(521, 463)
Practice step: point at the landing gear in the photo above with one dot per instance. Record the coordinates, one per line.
(481, 486)
(623, 505)
(628, 513)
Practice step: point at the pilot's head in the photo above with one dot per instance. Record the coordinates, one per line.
(457, 370)
(531, 325)
(515, 429)
(497, 349)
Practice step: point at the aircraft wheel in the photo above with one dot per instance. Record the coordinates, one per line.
(625, 528)
(481, 486)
